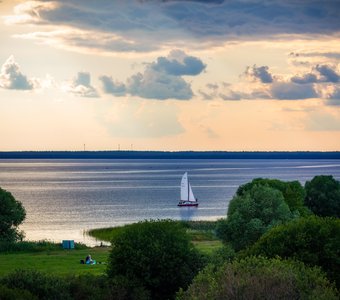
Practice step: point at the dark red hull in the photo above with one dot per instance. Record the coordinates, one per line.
(188, 204)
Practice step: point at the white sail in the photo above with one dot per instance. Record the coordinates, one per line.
(186, 191)
(184, 187)
(191, 195)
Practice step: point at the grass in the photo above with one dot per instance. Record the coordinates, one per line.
(201, 233)
(57, 262)
(51, 258)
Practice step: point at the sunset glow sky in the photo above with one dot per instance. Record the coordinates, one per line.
(243, 75)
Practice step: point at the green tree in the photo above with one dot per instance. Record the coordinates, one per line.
(156, 255)
(251, 214)
(323, 196)
(12, 213)
(313, 240)
(292, 191)
(260, 278)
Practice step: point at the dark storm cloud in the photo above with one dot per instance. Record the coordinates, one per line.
(148, 25)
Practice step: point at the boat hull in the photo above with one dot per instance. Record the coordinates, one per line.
(188, 204)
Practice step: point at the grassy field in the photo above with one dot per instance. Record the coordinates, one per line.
(57, 261)
(201, 234)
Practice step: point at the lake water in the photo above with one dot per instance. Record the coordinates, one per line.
(65, 198)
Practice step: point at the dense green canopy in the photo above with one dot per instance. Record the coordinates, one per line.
(156, 255)
(251, 214)
(12, 213)
(323, 196)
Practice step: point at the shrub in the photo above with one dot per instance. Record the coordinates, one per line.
(11, 294)
(12, 213)
(292, 191)
(323, 196)
(313, 240)
(251, 214)
(41, 285)
(260, 278)
(156, 255)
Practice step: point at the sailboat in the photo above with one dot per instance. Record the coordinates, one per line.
(187, 196)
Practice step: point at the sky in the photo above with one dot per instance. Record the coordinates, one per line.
(173, 75)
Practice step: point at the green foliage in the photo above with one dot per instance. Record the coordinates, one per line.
(12, 213)
(156, 254)
(7, 293)
(323, 196)
(260, 278)
(292, 191)
(251, 214)
(88, 286)
(41, 285)
(313, 240)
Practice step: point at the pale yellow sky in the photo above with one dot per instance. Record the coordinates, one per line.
(168, 87)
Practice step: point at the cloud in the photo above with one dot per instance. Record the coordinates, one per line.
(112, 87)
(157, 85)
(259, 74)
(12, 78)
(319, 74)
(160, 80)
(292, 91)
(305, 78)
(327, 73)
(81, 86)
(142, 26)
(178, 63)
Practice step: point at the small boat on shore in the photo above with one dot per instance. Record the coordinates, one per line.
(187, 196)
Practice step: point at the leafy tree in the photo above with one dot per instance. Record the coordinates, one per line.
(260, 278)
(292, 191)
(313, 240)
(155, 255)
(323, 196)
(12, 213)
(251, 214)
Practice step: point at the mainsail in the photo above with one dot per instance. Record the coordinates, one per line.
(186, 191)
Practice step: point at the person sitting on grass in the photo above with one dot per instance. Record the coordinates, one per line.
(89, 260)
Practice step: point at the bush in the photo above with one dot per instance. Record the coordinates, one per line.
(11, 294)
(12, 213)
(41, 285)
(323, 196)
(260, 278)
(313, 240)
(251, 214)
(89, 287)
(156, 255)
(292, 191)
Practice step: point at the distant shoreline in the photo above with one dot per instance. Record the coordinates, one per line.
(167, 155)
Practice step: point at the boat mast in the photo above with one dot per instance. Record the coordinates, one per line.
(188, 189)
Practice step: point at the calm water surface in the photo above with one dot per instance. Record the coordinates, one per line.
(64, 198)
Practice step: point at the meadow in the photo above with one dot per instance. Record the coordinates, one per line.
(52, 259)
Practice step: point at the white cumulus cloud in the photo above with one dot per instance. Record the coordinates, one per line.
(12, 78)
